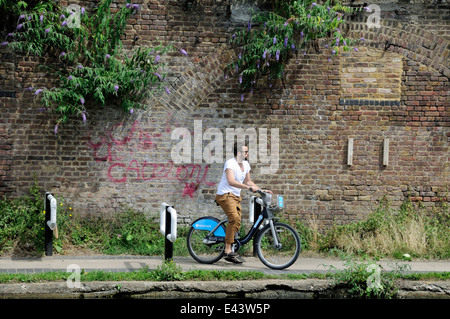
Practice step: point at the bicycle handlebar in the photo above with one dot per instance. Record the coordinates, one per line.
(259, 190)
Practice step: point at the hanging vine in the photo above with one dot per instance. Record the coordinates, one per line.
(292, 27)
(95, 68)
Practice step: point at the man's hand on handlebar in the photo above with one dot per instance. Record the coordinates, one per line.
(260, 190)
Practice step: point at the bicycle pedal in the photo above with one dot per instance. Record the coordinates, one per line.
(210, 240)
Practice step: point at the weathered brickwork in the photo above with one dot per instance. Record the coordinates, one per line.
(395, 87)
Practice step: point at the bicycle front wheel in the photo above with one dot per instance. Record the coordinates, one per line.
(282, 255)
(202, 252)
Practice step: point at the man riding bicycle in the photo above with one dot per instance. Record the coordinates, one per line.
(235, 177)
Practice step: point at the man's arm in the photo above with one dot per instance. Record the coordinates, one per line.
(232, 182)
(248, 181)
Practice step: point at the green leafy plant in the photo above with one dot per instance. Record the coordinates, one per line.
(22, 223)
(88, 57)
(367, 279)
(291, 27)
(169, 271)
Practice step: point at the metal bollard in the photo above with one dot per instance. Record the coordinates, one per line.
(255, 209)
(168, 227)
(50, 222)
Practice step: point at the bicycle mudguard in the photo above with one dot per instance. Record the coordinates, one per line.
(209, 223)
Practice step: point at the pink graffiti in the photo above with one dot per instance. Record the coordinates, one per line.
(123, 168)
(113, 146)
(191, 174)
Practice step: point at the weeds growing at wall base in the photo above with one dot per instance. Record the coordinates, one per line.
(387, 232)
(411, 230)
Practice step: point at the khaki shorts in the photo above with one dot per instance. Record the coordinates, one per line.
(231, 205)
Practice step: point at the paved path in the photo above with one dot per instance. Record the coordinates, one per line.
(133, 263)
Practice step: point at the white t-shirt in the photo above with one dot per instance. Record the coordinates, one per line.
(239, 176)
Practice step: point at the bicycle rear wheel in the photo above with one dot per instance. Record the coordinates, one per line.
(285, 254)
(204, 253)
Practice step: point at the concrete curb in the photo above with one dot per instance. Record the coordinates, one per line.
(252, 289)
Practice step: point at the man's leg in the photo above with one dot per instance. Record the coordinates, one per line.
(231, 205)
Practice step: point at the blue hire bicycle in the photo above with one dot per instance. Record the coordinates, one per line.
(277, 244)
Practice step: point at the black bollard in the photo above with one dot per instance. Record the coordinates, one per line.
(168, 227)
(48, 244)
(168, 248)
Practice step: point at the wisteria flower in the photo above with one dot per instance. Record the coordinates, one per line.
(64, 23)
(47, 31)
(79, 66)
(62, 16)
(368, 9)
(4, 43)
(83, 115)
(167, 90)
(131, 111)
(83, 10)
(56, 129)
(242, 97)
(19, 26)
(38, 91)
(157, 75)
(356, 49)
(286, 41)
(62, 54)
(107, 56)
(157, 57)
(10, 35)
(116, 87)
(41, 18)
(274, 40)
(183, 52)
(70, 77)
(240, 78)
(264, 54)
(278, 55)
(82, 100)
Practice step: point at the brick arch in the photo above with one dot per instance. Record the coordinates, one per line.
(408, 40)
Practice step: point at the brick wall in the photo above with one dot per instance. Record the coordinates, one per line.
(395, 87)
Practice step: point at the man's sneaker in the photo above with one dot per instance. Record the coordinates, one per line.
(233, 257)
